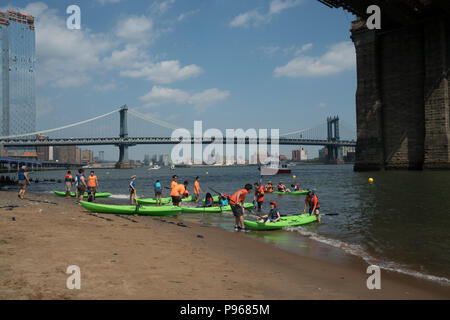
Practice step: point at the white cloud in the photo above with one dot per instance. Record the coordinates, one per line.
(164, 72)
(255, 17)
(64, 56)
(207, 98)
(276, 6)
(161, 95)
(160, 8)
(136, 28)
(201, 100)
(250, 18)
(340, 57)
(272, 50)
(184, 15)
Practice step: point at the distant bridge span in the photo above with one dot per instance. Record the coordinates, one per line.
(164, 140)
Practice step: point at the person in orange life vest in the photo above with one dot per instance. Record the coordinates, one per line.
(68, 181)
(173, 193)
(180, 191)
(269, 187)
(236, 202)
(197, 189)
(259, 195)
(92, 184)
(313, 201)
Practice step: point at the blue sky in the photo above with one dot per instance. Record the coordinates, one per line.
(284, 64)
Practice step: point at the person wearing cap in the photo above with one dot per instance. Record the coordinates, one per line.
(132, 187)
(312, 200)
(273, 215)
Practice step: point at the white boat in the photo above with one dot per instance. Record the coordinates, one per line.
(172, 167)
(155, 167)
(273, 169)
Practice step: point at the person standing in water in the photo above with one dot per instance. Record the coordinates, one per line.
(158, 192)
(92, 184)
(180, 191)
(68, 181)
(259, 195)
(197, 189)
(237, 206)
(132, 187)
(23, 180)
(313, 201)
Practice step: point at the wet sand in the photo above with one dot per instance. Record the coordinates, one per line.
(152, 259)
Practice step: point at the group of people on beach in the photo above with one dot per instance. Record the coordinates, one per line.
(82, 185)
(178, 192)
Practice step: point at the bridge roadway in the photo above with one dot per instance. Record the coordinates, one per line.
(162, 140)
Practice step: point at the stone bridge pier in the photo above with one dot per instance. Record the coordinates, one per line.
(402, 98)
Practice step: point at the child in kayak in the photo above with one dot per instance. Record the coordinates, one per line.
(223, 201)
(282, 187)
(209, 201)
(273, 215)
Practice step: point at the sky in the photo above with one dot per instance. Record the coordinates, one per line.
(284, 64)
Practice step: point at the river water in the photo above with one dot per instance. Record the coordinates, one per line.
(400, 222)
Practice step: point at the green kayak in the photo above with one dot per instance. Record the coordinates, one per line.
(119, 209)
(72, 194)
(165, 200)
(212, 209)
(291, 192)
(290, 221)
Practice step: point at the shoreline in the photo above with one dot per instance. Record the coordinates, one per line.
(152, 259)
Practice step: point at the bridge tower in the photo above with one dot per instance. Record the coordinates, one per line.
(123, 147)
(334, 152)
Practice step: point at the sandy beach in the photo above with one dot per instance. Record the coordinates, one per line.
(153, 258)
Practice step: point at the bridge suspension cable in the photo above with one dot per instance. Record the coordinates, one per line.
(300, 131)
(58, 129)
(158, 122)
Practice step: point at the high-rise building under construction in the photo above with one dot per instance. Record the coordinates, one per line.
(17, 73)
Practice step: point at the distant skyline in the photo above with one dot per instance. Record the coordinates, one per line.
(284, 64)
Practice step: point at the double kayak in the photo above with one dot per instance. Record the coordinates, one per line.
(212, 209)
(292, 192)
(290, 221)
(127, 209)
(72, 194)
(165, 200)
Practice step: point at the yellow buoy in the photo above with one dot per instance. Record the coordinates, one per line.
(294, 176)
(370, 180)
(207, 172)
